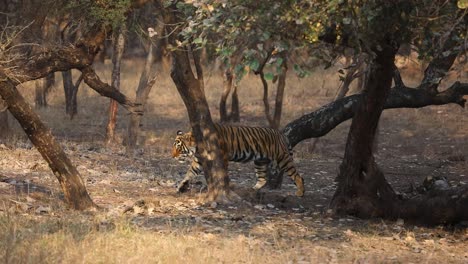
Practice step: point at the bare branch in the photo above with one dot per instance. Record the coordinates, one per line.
(92, 80)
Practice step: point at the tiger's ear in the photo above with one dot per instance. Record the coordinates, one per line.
(179, 132)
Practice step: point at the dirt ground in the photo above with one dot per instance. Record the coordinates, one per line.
(274, 225)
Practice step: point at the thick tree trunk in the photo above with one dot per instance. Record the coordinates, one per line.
(214, 164)
(119, 43)
(362, 189)
(143, 90)
(70, 180)
(208, 144)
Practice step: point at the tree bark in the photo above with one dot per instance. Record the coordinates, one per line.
(142, 92)
(70, 180)
(71, 91)
(4, 125)
(280, 94)
(275, 119)
(94, 82)
(362, 189)
(227, 83)
(42, 89)
(235, 112)
(266, 104)
(119, 45)
(208, 144)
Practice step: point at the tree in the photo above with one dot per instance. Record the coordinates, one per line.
(328, 28)
(43, 87)
(362, 188)
(20, 64)
(144, 87)
(230, 85)
(4, 125)
(71, 91)
(191, 89)
(119, 44)
(245, 40)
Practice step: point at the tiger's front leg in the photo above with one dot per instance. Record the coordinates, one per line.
(194, 170)
(261, 167)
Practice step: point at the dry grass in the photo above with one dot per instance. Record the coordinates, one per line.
(54, 241)
(276, 228)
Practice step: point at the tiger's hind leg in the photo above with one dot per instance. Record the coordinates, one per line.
(261, 167)
(287, 165)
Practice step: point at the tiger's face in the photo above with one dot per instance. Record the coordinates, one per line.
(184, 145)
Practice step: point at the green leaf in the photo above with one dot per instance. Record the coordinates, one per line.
(254, 64)
(279, 61)
(266, 35)
(198, 40)
(269, 76)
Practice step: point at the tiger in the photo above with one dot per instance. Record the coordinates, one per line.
(242, 144)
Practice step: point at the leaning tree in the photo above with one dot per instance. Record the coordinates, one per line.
(22, 61)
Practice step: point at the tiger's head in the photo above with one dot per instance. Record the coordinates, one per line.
(184, 145)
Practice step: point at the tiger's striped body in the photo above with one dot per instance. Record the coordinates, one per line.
(243, 144)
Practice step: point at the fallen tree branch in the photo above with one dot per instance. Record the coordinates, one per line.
(323, 120)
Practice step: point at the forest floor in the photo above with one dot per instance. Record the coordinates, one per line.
(143, 220)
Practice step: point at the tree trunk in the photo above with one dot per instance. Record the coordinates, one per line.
(143, 90)
(362, 188)
(208, 144)
(119, 43)
(280, 94)
(4, 126)
(70, 180)
(235, 112)
(273, 121)
(227, 83)
(43, 87)
(71, 91)
(266, 104)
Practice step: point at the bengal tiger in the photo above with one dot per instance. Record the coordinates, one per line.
(242, 144)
